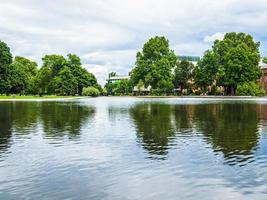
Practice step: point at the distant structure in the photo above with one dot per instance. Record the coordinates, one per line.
(263, 79)
(117, 78)
(189, 58)
(192, 59)
(141, 90)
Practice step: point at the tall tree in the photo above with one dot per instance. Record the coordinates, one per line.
(43, 80)
(54, 62)
(65, 83)
(5, 61)
(21, 75)
(206, 71)
(237, 57)
(154, 64)
(82, 76)
(265, 60)
(232, 61)
(183, 73)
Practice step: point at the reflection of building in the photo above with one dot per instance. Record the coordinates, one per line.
(263, 79)
(117, 78)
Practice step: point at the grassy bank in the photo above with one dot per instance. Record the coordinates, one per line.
(5, 97)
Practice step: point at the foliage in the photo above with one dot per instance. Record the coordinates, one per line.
(82, 76)
(65, 83)
(21, 76)
(154, 64)
(250, 89)
(63, 76)
(206, 71)
(104, 92)
(237, 58)
(122, 87)
(265, 60)
(5, 61)
(90, 91)
(182, 73)
(231, 62)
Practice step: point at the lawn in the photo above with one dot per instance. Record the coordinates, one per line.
(35, 97)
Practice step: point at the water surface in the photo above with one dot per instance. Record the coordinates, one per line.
(133, 148)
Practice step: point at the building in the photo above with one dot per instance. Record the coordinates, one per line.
(263, 79)
(117, 78)
(141, 90)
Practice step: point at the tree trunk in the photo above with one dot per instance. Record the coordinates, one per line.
(232, 90)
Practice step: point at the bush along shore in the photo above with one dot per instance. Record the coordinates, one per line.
(230, 67)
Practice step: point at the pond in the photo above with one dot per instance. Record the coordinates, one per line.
(134, 148)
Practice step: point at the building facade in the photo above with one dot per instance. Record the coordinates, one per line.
(263, 79)
(117, 78)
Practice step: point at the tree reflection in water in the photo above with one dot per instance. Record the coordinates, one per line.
(154, 127)
(60, 120)
(231, 129)
(56, 120)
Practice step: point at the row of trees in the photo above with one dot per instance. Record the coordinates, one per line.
(232, 64)
(230, 67)
(58, 75)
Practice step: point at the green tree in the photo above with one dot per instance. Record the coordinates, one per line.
(54, 62)
(58, 75)
(21, 76)
(154, 64)
(237, 60)
(65, 83)
(265, 60)
(182, 74)
(206, 71)
(5, 61)
(82, 76)
(232, 61)
(43, 79)
(122, 87)
(17, 79)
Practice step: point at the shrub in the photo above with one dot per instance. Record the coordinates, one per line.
(90, 91)
(250, 89)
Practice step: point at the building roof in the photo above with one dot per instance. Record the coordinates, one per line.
(142, 89)
(263, 65)
(119, 77)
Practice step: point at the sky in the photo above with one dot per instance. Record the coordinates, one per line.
(107, 34)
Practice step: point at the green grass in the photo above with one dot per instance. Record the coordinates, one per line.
(35, 97)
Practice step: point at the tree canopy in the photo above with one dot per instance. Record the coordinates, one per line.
(5, 61)
(64, 76)
(183, 73)
(231, 62)
(58, 75)
(154, 64)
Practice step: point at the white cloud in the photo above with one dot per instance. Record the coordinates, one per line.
(108, 33)
(215, 36)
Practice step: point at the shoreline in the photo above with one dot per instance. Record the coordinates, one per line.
(38, 99)
(44, 99)
(190, 97)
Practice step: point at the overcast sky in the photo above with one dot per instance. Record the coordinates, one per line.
(106, 34)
